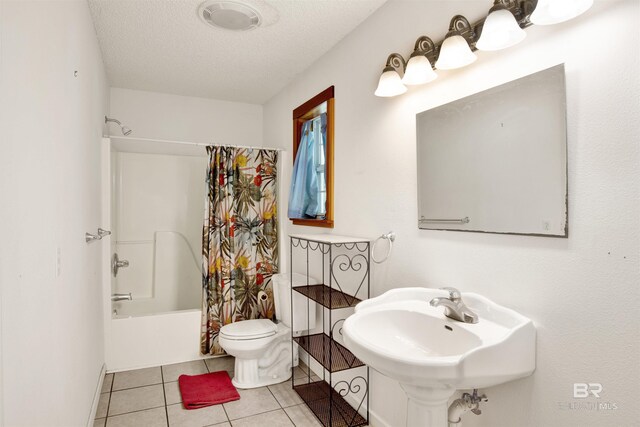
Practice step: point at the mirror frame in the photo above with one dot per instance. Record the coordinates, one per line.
(304, 112)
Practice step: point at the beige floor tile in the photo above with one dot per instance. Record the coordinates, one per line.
(301, 371)
(252, 401)
(136, 399)
(305, 379)
(226, 363)
(180, 417)
(172, 393)
(99, 422)
(136, 378)
(285, 395)
(106, 384)
(224, 424)
(298, 373)
(149, 418)
(302, 416)
(272, 419)
(172, 372)
(103, 405)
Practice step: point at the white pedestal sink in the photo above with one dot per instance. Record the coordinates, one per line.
(402, 336)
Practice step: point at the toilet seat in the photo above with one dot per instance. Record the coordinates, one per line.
(249, 329)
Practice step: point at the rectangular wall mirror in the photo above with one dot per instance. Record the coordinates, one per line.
(496, 161)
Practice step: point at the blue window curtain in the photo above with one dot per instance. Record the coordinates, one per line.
(306, 195)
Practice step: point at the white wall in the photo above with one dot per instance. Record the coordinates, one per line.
(582, 292)
(52, 332)
(172, 117)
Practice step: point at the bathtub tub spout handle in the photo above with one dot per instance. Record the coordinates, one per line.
(121, 297)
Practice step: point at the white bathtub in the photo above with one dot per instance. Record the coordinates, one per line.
(153, 340)
(164, 327)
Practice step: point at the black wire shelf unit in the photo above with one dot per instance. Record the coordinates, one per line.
(340, 396)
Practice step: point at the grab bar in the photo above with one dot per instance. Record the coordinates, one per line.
(464, 220)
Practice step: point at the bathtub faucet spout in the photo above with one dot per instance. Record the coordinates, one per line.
(121, 297)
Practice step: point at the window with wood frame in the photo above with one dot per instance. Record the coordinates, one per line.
(311, 195)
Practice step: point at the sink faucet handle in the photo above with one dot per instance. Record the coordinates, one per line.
(454, 294)
(475, 398)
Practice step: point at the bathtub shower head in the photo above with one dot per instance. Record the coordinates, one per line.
(125, 130)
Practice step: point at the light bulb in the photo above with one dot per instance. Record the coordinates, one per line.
(390, 83)
(419, 71)
(454, 53)
(500, 31)
(549, 12)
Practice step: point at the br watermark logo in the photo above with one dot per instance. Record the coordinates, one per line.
(584, 395)
(584, 390)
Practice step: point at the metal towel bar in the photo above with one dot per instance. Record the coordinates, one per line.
(464, 220)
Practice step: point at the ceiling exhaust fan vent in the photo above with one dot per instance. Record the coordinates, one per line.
(230, 15)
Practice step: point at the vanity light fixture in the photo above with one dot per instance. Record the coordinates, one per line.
(500, 29)
(549, 12)
(455, 51)
(420, 68)
(390, 83)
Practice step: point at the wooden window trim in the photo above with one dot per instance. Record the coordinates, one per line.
(301, 114)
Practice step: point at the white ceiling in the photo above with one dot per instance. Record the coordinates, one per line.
(163, 46)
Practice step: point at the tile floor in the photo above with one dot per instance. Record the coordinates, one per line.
(150, 397)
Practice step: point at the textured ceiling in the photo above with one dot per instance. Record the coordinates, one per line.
(163, 46)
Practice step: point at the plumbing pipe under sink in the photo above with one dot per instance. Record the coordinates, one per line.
(459, 407)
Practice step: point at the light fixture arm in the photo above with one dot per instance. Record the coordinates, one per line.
(425, 46)
(395, 61)
(521, 10)
(460, 26)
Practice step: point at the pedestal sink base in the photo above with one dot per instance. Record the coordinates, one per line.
(427, 406)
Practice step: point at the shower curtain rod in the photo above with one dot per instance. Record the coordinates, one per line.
(200, 144)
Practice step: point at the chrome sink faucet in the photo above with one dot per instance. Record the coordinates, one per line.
(454, 307)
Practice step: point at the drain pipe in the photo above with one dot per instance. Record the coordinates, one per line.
(459, 407)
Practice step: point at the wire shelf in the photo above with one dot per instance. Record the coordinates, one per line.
(328, 352)
(328, 297)
(328, 405)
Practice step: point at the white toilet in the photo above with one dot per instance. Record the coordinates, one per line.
(263, 348)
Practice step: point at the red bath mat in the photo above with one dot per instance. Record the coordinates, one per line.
(203, 390)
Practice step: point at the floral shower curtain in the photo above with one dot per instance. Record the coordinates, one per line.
(239, 239)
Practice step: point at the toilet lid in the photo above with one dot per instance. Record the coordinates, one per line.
(249, 329)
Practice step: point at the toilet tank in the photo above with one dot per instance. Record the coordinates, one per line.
(301, 304)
